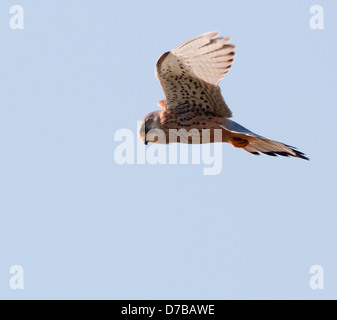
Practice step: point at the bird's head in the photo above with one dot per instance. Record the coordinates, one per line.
(149, 123)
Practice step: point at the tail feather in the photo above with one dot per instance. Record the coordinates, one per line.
(259, 144)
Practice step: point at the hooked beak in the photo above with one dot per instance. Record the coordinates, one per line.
(146, 142)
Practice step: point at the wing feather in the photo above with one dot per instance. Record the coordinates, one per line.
(189, 74)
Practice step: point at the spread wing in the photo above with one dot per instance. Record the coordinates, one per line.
(189, 75)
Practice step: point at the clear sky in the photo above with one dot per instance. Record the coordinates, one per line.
(83, 227)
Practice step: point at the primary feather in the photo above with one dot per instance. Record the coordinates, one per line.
(189, 74)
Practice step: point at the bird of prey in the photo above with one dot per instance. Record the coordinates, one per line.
(189, 76)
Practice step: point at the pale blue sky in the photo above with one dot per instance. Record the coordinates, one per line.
(83, 227)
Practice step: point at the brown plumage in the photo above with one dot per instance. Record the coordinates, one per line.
(189, 76)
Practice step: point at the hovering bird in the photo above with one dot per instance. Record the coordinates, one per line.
(189, 76)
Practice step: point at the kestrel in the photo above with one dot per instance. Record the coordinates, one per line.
(189, 76)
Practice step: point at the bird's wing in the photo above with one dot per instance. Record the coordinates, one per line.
(189, 75)
(261, 144)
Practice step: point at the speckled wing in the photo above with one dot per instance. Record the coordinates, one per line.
(189, 75)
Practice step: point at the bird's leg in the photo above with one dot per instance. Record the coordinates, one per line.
(239, 143)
